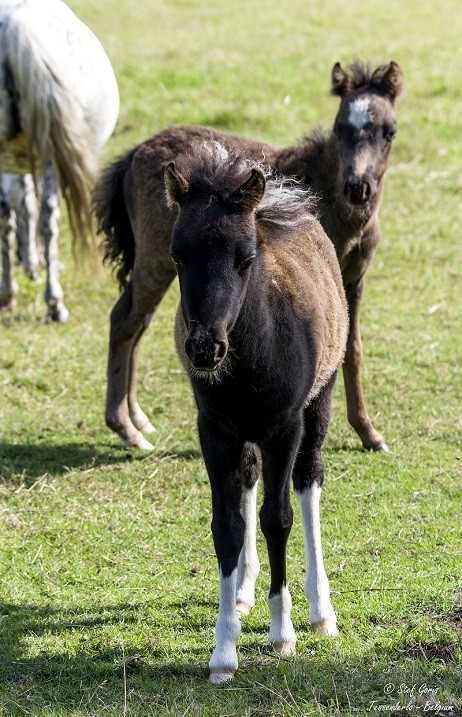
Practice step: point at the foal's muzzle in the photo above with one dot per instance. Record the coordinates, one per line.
(206, 353)
(358, 190)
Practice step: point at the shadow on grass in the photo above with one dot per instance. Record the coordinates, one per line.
(96, 675)
(27, 462)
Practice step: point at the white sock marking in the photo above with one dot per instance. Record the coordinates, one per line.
(223, 662)
(249, 565)
(316, 583)
(282, 633)
(140, 419)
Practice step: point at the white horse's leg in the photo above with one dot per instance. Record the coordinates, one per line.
(249, 565)
(27, 216)
(322, 615)
(8, 287)
(223, 663)
(50, 215)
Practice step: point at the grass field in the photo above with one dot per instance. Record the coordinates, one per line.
(108, 580)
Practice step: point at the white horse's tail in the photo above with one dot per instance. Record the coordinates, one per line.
(54, 124)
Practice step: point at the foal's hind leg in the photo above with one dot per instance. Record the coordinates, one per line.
(130, 318)
(249, 565)
(356, 405)
(50, 217)
(308, 479)
(137, 415)
(8, 287)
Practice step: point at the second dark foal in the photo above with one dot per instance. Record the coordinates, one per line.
(344, 167)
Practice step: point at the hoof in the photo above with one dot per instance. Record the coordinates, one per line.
(220, 675)
(138, 442)
(33, 275)
(8, 304)
(59, 314)
(379, 448)
(284, 647)
(325, 627)
(148, 428)
(243, 608)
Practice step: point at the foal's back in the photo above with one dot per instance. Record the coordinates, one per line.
(303, 267)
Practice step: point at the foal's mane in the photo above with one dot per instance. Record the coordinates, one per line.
(218, 171)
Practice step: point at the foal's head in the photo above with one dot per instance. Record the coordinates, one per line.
(365, 126)
(213, 246)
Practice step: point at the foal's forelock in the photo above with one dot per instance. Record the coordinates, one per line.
(285, 203)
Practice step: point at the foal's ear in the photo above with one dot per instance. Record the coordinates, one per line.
(391, 80)
(342, 80)
(176, 185)
(251, 192)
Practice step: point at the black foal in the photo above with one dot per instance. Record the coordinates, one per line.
(261, 330)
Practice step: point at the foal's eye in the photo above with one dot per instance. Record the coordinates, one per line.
(245, 265)
(389, 133)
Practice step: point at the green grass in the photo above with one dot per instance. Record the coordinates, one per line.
(108, 578)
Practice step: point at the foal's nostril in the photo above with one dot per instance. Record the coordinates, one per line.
(189, 347)
(367, 190)
(220, 350)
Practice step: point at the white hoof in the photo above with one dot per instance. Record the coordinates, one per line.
(325, 627)
(57, 312)
(148, 428)
(220, 675)
(381, 448)
(284, 647)
(139, 442)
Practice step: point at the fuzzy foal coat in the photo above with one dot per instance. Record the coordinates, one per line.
(137, 224)
(285, 321)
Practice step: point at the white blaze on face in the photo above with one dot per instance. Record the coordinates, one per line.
(360, 113)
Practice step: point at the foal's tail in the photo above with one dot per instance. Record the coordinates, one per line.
(112, 219)
(54, 124)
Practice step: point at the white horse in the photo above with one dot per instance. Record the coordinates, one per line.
(59, 104)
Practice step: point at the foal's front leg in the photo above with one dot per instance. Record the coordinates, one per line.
(222, 455)
(276, 516)
(356, 405)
